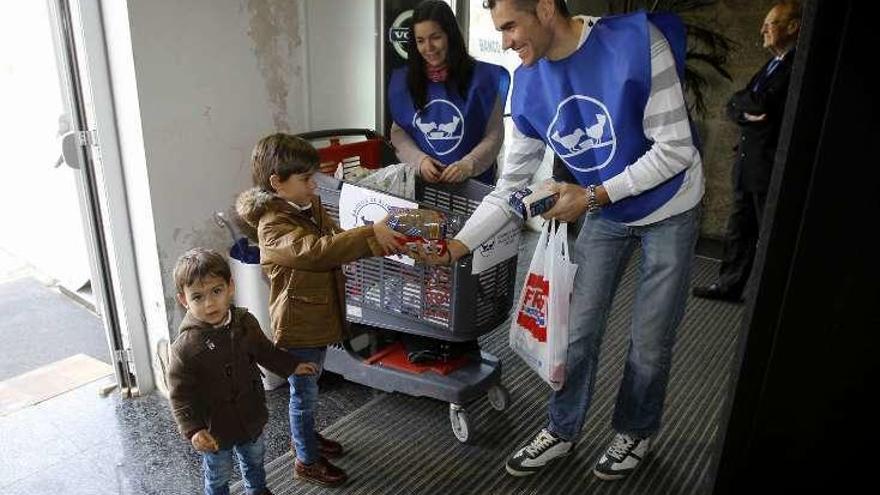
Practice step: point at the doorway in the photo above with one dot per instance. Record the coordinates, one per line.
(54, 287)
(33, 172)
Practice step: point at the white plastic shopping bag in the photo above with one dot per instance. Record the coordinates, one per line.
(539, 327)
(397, 179)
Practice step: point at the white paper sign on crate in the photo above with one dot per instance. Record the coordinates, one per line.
(500, 248)
(360, 206)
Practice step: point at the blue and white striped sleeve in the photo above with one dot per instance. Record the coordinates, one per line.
(666, 124)
(522, 160)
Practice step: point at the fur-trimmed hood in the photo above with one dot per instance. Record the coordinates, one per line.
(302, 253)
(254, 203)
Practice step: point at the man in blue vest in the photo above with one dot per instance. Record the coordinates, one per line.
(758, 110)
(605, 94)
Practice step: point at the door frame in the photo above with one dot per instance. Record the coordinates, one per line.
(83, 69)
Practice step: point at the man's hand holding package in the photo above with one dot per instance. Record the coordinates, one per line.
(572, 202)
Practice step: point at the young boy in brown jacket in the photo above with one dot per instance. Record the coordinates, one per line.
(302, 251)
(216, 388)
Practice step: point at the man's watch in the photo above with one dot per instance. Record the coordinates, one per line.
(592, 201)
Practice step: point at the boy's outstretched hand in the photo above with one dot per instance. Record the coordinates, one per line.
(204, 442)
(390, 240)
(306, 369)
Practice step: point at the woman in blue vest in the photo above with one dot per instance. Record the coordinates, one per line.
(446, 107)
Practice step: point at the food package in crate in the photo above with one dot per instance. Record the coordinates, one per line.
(533, 200)
(427, 228)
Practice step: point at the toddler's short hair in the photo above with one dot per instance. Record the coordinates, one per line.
(197, 264)
(282, 155)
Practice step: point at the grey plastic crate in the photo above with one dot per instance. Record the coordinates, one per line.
(443, 302)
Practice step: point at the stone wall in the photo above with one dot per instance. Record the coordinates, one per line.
(739, 20)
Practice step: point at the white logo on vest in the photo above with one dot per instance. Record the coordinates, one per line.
(442, 124)
(582, 133)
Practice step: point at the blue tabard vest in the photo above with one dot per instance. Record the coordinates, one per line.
(589, 107)
(448, 128)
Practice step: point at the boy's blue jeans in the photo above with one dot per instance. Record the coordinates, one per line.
(218, 467)
(602, 251)
(303, 400)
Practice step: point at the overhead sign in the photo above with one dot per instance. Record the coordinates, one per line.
(400, 32)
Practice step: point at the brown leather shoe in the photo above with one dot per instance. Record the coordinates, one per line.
(330, 449)
(320, 472)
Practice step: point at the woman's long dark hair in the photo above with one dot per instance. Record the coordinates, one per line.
(460, 64)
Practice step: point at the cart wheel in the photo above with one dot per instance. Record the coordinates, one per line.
(459, 419)
(499, 398)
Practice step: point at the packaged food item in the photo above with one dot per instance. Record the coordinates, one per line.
(428, 228)
(533, 200)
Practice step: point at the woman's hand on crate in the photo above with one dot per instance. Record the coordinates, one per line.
(430, 169)
(458, 171)
(455, 249)
(390, 240)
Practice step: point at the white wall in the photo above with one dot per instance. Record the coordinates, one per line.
(199, 82)
(341, 70)
(196, 84)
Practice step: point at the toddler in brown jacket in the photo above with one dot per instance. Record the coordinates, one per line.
(216, 389)
(302, 251)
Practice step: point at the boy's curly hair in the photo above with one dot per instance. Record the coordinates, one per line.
(282, 155)
(197, 264)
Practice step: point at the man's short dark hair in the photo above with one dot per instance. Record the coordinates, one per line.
(530, 6)
(198, 264)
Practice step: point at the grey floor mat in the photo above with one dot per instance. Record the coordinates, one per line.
(403, 445)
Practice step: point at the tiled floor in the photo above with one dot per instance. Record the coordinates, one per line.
(80, 443)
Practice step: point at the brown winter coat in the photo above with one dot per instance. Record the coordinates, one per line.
(302, 253)
(214, 380)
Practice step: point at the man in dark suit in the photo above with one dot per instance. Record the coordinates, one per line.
(757, 109)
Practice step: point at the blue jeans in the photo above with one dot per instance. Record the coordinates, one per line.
(303, 399)
(218, 467)
(602, 251)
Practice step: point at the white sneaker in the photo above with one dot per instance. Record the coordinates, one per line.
(544, 448)
(621, 457)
